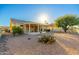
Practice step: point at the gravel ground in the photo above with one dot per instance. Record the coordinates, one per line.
(22, 46)
(66, 44)
(69, 42)
(3, 46)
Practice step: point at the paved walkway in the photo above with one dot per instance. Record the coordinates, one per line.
(65, 44)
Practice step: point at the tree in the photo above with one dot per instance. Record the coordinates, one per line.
(67, 21)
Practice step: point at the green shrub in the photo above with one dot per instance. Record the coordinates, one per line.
(17, 30)
(46, 39)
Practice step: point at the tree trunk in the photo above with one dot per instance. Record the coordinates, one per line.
(65, 30)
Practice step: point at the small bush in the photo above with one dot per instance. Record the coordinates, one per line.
(46, 39)
(17, 30)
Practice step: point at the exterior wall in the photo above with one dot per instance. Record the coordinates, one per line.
(12, 24)
(34, 27)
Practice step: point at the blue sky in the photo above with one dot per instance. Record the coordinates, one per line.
(30, 12)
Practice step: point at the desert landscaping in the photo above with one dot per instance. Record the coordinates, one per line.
(66, 44)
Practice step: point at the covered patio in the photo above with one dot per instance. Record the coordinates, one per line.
(33, 27)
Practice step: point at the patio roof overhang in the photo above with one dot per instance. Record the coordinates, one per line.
(21, 22)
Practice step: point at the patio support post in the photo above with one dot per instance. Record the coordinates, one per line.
(24, 28)
(29, 27)
(38, 27)
(42, 28)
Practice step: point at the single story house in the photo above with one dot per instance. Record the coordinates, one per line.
(29, 26)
